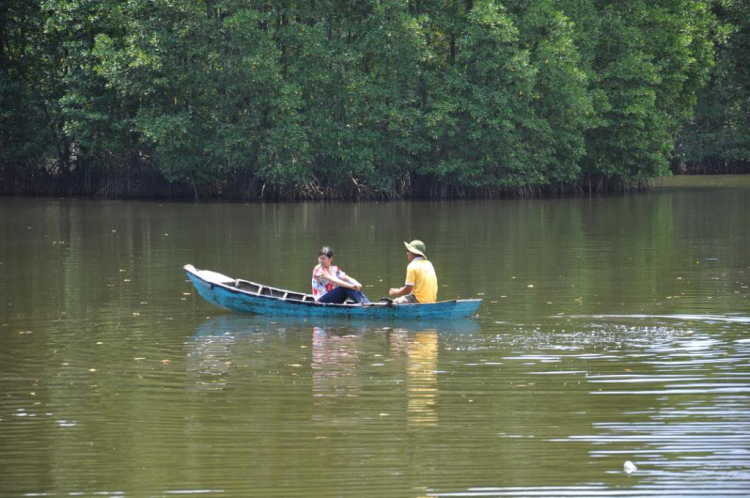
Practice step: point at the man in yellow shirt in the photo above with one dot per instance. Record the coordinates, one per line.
(421, 282)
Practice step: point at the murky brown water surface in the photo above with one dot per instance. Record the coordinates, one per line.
(613, 329)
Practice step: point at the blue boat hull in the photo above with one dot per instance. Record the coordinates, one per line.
(222, 293)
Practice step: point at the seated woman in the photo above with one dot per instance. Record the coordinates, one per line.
(331, 285)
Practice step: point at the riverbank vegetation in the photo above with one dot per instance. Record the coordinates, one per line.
(368, 99)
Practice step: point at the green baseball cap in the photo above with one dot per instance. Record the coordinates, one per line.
(417, 247)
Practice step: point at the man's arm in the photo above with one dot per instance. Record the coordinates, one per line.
(406, 289)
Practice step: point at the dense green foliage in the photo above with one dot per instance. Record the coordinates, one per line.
(717, 140)
(336, 98)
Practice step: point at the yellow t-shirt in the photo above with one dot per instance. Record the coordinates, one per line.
(421, 274)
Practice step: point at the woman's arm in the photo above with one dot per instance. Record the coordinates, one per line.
(354, 282)
(335, 280)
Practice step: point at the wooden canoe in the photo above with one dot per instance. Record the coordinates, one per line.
(250, 297)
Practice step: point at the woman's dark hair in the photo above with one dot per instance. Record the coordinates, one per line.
(326, 251)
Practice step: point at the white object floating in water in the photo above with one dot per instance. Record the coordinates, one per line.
(629, 467)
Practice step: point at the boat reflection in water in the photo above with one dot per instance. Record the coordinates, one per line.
(355, 374)
(356, 369)
(235, 324)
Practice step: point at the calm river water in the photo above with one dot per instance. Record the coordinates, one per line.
(612, 329)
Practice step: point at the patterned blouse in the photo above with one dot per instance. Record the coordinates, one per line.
(321, 286)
